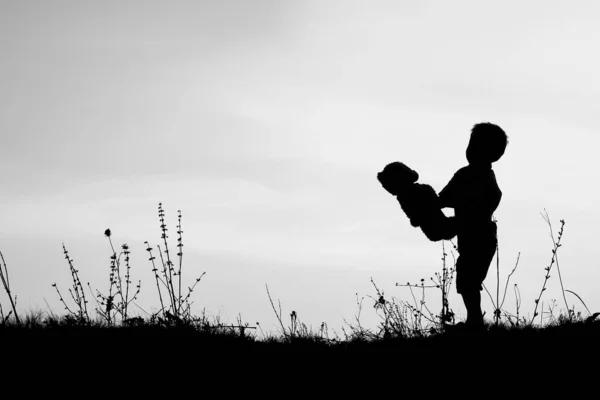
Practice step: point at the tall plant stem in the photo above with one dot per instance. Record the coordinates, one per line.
(6, 284)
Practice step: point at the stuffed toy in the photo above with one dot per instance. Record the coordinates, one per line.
(418, 201)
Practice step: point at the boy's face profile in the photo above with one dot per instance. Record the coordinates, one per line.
(486, 144)
(476, 152)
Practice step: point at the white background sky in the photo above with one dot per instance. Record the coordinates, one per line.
(266, 122)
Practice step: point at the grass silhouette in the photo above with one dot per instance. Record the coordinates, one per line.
(405, 327)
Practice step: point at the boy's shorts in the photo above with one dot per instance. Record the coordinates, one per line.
(476, 252)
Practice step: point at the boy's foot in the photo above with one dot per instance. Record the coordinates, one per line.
(475, 325)
(464, 328)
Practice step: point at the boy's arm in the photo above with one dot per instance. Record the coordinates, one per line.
(444, 200)
(481, 198)
(448, 195)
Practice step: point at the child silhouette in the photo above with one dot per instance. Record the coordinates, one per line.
(474, 194)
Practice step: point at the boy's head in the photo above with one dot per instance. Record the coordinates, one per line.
(487, 143)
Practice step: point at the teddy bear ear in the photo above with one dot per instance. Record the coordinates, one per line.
(414, 176)
(402, 171)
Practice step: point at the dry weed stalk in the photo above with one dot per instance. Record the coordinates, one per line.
(6, 284)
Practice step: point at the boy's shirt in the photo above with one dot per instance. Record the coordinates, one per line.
(474, 194)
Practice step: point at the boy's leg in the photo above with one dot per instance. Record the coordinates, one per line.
(472, 299)
(476, 254)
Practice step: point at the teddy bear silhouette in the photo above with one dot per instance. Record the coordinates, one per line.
(419, 201)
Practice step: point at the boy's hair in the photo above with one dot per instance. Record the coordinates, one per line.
(488, 142)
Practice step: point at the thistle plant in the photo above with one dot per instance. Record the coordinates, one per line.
(556, 245)
(442, 281)
(358, 332)
(422, 319)
(117, 301)
(80, 313)
(175, 304)
(396, 319)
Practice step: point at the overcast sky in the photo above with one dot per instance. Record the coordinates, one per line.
(266, 122)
